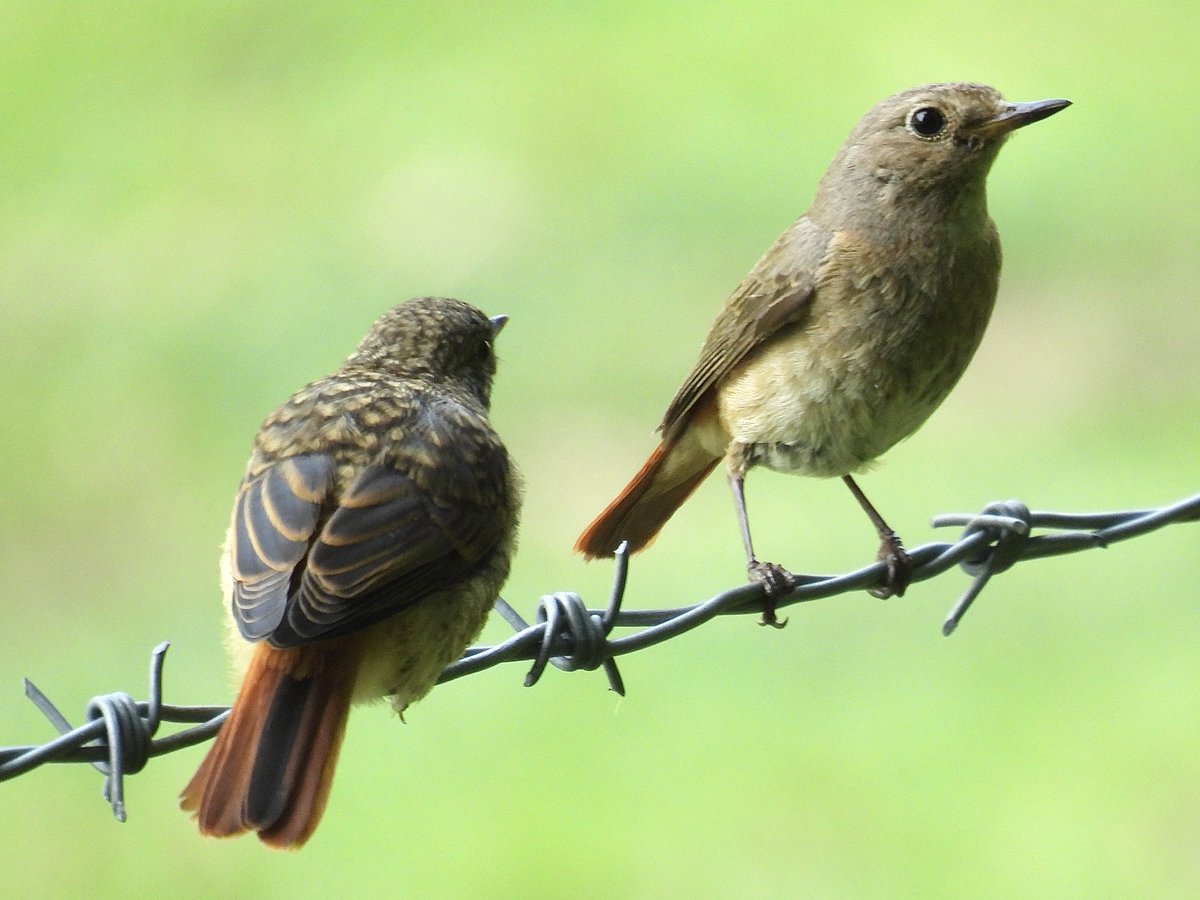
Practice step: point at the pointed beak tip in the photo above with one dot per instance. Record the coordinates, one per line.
(1053, 106)
(498, 323)
(1018, 115)
(1028, 113)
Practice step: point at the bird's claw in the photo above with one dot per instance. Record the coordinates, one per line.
(776, 581)
(899, 568)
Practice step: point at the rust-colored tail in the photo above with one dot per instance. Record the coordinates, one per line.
(672, 472)
(271, 766)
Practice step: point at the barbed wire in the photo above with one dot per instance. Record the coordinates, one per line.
(119, 737)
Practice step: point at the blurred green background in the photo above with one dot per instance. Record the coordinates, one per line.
(204, 205)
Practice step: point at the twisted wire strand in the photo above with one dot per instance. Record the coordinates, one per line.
(119, 736)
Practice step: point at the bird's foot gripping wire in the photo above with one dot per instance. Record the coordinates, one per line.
(899, 567)
(776, 581)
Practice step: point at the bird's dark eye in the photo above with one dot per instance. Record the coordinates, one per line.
(927, 122)
(485, 351)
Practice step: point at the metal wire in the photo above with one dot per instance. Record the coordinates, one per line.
(119, 737)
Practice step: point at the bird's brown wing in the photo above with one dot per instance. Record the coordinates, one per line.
(776, 294)
(274, 518)
(312, 563)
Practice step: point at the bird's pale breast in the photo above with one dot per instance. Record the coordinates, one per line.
(878, 355)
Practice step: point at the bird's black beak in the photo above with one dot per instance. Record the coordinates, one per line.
(1018, 115)
(498, 324)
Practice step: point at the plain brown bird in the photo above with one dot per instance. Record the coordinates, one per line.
(371, 534)
(850, 330)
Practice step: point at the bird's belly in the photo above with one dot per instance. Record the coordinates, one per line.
(406, 653)
(831, 413)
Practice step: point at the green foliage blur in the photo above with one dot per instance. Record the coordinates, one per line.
(204, 205)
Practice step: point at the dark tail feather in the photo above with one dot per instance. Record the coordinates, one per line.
(271, 767)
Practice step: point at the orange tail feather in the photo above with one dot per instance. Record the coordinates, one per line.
(271, 766)
(673, 471)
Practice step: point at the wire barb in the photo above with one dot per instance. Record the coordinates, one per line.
(1006, 527)
(115, 721)
(119, 737)
(579, 636)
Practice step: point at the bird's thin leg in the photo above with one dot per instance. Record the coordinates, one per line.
(737, 484)
(891, 550)
(775, 579)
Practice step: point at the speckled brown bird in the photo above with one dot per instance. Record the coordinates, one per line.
(371, 534)
(851, 329)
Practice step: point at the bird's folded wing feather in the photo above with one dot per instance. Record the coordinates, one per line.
(770, 298)
(311, 563)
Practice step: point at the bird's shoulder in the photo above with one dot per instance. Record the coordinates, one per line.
(359, 416)
(776, 293)
(338, 410)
